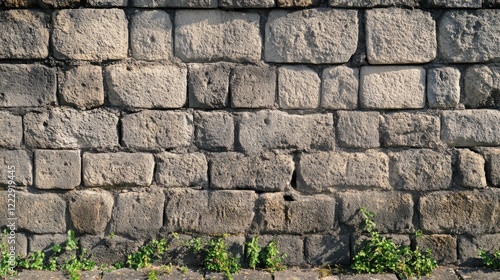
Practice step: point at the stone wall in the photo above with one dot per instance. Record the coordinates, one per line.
(127, 120)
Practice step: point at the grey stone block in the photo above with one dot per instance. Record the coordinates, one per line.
(443, 247)
(182, 170)
(45, 242)
(358, 129)
(298, 87)
(57, 169)
(250, 274)
(19, 161)
(270, 209)
(290, 245)
(478, 273)
(253, 87)
(372, 3)
(246, 3)
(410, 130)
(470, 246)
(455, 4)
(107, 3)
(339, 88)
(470, 128)
(109, 249)
(327, 249)
(296, 274)
(124, 273)
(175, 3)
(209, 85)
(443, 87)
(151, 35)
(90, 211)
(41, 213)
(493, 167)
(12, 130)
(82, 87)
(471, 169)
(297, 3)
(482, 86)
(214, 131)
(385, 276)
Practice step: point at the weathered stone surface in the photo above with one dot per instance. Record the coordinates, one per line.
(420, 170)
(482, 86)
(297, 3)
(175, 3)
(246, 3)
(71, 129)
(291, 245)
(46, 241)
(392, 87)
(41, 274)
(325, 249)
(385, 276)
(311, 36)
(57, 169)
(107, 3)
(410, 130)
(493, 167)
(117, 169)
(209, 85)
(471, 169)
(35, 85)
(443, 87)
(296, 274)
(469, 248)
(298, 87)
(478, 273)
(25, 34)
(146, 86)
(394, 210)
(278, 130)
(108, 249)
(470, 128)
(271, 213)
(82, 87)
(124, 273)
(41, 3)
(84, 34)
(90, 211)
(214, 131)
(441, 273)
(253, 87)
(443, 247)
(470, 36)
(400, 36)
(151, 35)
(12, 130)
(19, 161)
(318, 172)
(460, 212)
(250, 274)
(266, 172)
(372, 3)
(41, 213)
(157, 130)
(339, 88)
(358, 129)
(455, 4)
(182, 170)
(216, 35)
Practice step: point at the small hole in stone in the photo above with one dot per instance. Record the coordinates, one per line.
(45, 124)
(84, 84)
(288, 198)
(267, 121)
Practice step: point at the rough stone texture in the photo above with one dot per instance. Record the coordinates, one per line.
(35, 85)
(21, 162)
(460, 212)
(443, 87)
(209, 85)
(151, 35)
(470, 128)
(214, 131)
(124, 273)
(372, 3)
(410, 130)
(250, 274)
(41, 3)
(71, 129)
(84, 34)
(358, 129)
(117, 169)
(339, 88)
(296, 274)
(90, 211)
(175, 3)
(311, 36)
(482, 86)
(420, 170)
(400, 36)
(455, 4)
(471, 168)
(253, 87)
(443, 247)
(493, 167)
(266, 172)
(298, 87)
(216, 35)
(470, 36)
(146, 86)
(297, 3)
(246, 3)
(321, 249)
(45, 242)
(278, 130)
(57, 169)
(181, 170)
(108, 249)
(156, 130)
(385, 276)
(290, 245)
(469, 247)
(107, 3)
(41, 213)
(12, 130)
(394, 211)
(475, 273)
(318, 172)
(82, 87)
(392, 87)
(24, 34)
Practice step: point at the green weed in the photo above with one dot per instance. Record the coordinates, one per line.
(491, 260)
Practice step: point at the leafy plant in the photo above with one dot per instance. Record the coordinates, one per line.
(268, 257)
(147, 254)
(491, 260)
(253, 252)
(152, 275)
(218, 258)
(5, 257)
(75, 264)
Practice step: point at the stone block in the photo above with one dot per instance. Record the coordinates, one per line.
(208, 85)
(82, 87)
(90, 211)
(471, 168)
(217, 35)
(146, 86)
(25, 34)
(45, 242)
(410, 130)
(443, 247)
(296, 274)
(470, 128)
(298, 87)
(455, 4)
(107, 3)
(290, 245)
(339, 88)
(124, 273)
(151, 35)
(265, 172)
(493, 167)
(297, 3)
(482, 86)
(372, 3)
(327, 249)
(44, 4)
(117, 169)
(270, 209)
(251, 274)
(358, 129)
(182, 170)
(64, 128)
(460, 212)
(12, 130)
(253, 87)
(478, 273)
(392, 87)
(317, 172)
(214, 131)
(109, 249)
(57, 169)
(470, 246)
(264, 130)
(19, 161)
(41, 213)
(311, 36)
(246, 4)
(468, 36)
(175, 3)
(157, 130)
(443, 87)
(34, 86)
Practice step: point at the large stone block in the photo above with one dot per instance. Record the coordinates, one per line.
(266, 172)
(470, 246)
(82, 87)
(290, 245)
(110, 249)
(71, 129)
(493, 167)
(392, 87)
(84, 34)
(326, 249)
(470, 128)
(443, 87)
(44, 4)
(34, 86)
(467, 36)
(339, 88)
(455, 4)
(182, 170)
(41, 213)
(208, 85)
(12, 130)
(46, 241)
(311, 36)
(471, 169)
(253, 87)
(298, 87)
(214, 131)
(372, 3)
(25, 34)
(151, 35)
(90, 211)
(107, 3)
(297, 3)
(117, 169)
(442, 246)
(175, 3)
(157, 130)
(358, 129)
(57, 169)
(215, 35)
(246, 3)
(482, 86)
(18, 161)
(410, 130)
